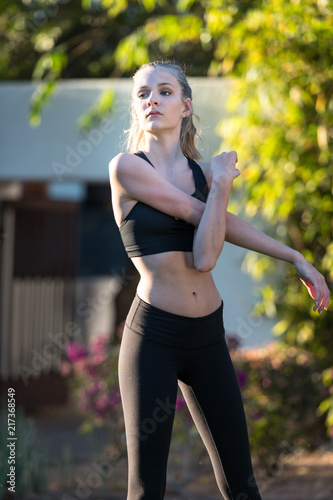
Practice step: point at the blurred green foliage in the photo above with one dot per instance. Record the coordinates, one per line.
(281, 55)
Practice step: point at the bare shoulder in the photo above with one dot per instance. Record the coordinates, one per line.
(207, 172)
(120, 164)
(121, 180)
(126, 168)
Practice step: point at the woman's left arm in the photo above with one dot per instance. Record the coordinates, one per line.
(240, 233)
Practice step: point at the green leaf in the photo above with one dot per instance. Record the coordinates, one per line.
(149, 5)
(114, 7)
(280, 327)
(40, 98)
(103, 107)
(50, 64)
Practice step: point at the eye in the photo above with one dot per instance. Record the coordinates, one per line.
(141, 95)
(165, 92)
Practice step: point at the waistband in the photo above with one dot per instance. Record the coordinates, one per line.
(184, 332)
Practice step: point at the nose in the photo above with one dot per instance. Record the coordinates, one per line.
(152, 100)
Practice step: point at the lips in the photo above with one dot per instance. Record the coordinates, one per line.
(154, 113)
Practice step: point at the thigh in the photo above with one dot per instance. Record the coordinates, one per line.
(148, 387)
(211, 390)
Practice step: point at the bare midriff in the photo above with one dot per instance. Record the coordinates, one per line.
(170, 282)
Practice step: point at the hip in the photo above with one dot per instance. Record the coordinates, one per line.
(176, 330)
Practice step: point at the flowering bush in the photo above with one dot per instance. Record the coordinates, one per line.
(92, 374)
(326, 406)
(93, 382)
(282, 391)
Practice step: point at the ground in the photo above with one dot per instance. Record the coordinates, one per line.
(301, 476)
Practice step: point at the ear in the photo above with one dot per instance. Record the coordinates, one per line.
(187, 107)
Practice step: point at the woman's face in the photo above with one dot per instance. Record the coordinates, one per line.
(157, 100)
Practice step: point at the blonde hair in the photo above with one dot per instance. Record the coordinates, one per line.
(188, 132)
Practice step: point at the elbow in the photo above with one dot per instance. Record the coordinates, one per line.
(205, 256)
(204, 264)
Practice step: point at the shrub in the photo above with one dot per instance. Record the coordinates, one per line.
(326, 406)
(282, 390)
(31, 460)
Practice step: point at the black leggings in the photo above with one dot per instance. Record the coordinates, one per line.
(159, 351)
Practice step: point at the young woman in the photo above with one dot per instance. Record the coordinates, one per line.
(173, 219)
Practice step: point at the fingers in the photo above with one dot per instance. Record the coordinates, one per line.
(322, 295)
(319, 292)
(233, 156)
(224, 165)
(326, 298)
(318, 297)
(233, 160)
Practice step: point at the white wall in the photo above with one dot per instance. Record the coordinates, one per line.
(29, 153)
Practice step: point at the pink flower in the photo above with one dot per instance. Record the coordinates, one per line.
(114, 398)
(233, 342)
(101, 403)
(180, 402)
(93, 388)
(257, 415)
(75, 351)
(91, 369)
(65, 368)
(80, 366)
(99, 344)
(242, 378)
(98, 359)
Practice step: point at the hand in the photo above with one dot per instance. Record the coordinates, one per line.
(223, 166)
(314, 282)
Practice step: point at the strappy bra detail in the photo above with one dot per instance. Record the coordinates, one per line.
(146, 230)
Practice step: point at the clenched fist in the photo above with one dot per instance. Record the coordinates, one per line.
(223, 167)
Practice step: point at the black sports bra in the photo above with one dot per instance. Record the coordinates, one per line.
(146, 230)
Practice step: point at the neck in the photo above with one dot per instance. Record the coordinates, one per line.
(164, 151)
